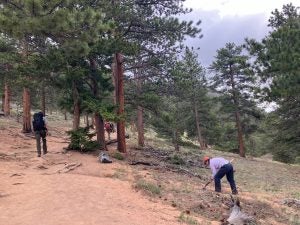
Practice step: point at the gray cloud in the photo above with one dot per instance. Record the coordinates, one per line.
(218, 31)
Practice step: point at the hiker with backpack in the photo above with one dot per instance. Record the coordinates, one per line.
(40, 131)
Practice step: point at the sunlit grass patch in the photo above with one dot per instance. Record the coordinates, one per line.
(117, 155)
(148, 187)
(119, 174)
(183, 188)
(7, 122)
(295, 195)
(183, 218)
(294, 220)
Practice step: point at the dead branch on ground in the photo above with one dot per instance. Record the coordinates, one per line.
(69, 167)
(292, 202)
(143, 163)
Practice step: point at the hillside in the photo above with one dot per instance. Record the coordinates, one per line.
(151, 186)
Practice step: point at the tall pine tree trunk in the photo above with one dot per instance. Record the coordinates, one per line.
(199, 133)
(99, 123)
(114, 76)
(43, 100)
(7, 95)
(65, 114)
(87, 121)
(140, 126)
(26, 111)
(3, 102)
(99, 126)
(76, 107)
(240, 134)
(237, 116)
(140, 112)
(120, 102)
(176, 139)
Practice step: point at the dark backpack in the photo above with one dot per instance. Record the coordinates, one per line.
(38, 121)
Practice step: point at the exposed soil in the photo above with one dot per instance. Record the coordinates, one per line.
(73, 188)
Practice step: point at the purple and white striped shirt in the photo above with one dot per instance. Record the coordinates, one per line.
(216, 163)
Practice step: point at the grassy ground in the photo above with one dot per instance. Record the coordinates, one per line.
(262, 183)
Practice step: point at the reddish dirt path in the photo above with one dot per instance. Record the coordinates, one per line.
(33, 192)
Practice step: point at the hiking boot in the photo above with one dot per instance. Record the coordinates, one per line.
(235, 192)
(39, 155)
(45, 152)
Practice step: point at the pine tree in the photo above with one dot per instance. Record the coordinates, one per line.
(147, 30)
(73, 26)
(277, 63)
(234, 79)
(190, 82)
(8, 55)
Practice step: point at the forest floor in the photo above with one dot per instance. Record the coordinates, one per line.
(150, 186)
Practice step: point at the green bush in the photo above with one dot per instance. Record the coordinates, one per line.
(176, 159)
(297, 160)
(81, 140)
(118, 155)
(284, 156)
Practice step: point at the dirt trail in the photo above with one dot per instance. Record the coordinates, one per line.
(45, 191)
(32, 191)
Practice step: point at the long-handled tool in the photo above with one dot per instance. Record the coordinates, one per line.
(207, 183)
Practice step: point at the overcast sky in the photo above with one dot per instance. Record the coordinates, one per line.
(226, 21)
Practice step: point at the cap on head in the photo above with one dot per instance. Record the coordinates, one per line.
(205, 159)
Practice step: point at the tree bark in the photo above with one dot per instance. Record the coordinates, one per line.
(199, 133)
(43, 100)
(120, 102)
(26, 111)
(26, 95)
(140, 126)
(175, 139)
(65, 114)
(99, 123)
(140, 113)
(240, 134)
(237, 116)
(87, 122)
(7, 95)
(3, 102)
(114, 76)
(99, 126)
(76, 107)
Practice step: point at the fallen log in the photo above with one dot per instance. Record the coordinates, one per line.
(111, 141)
(143, 163)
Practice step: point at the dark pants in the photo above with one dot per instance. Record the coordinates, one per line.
(41, 134)
(228, 171)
